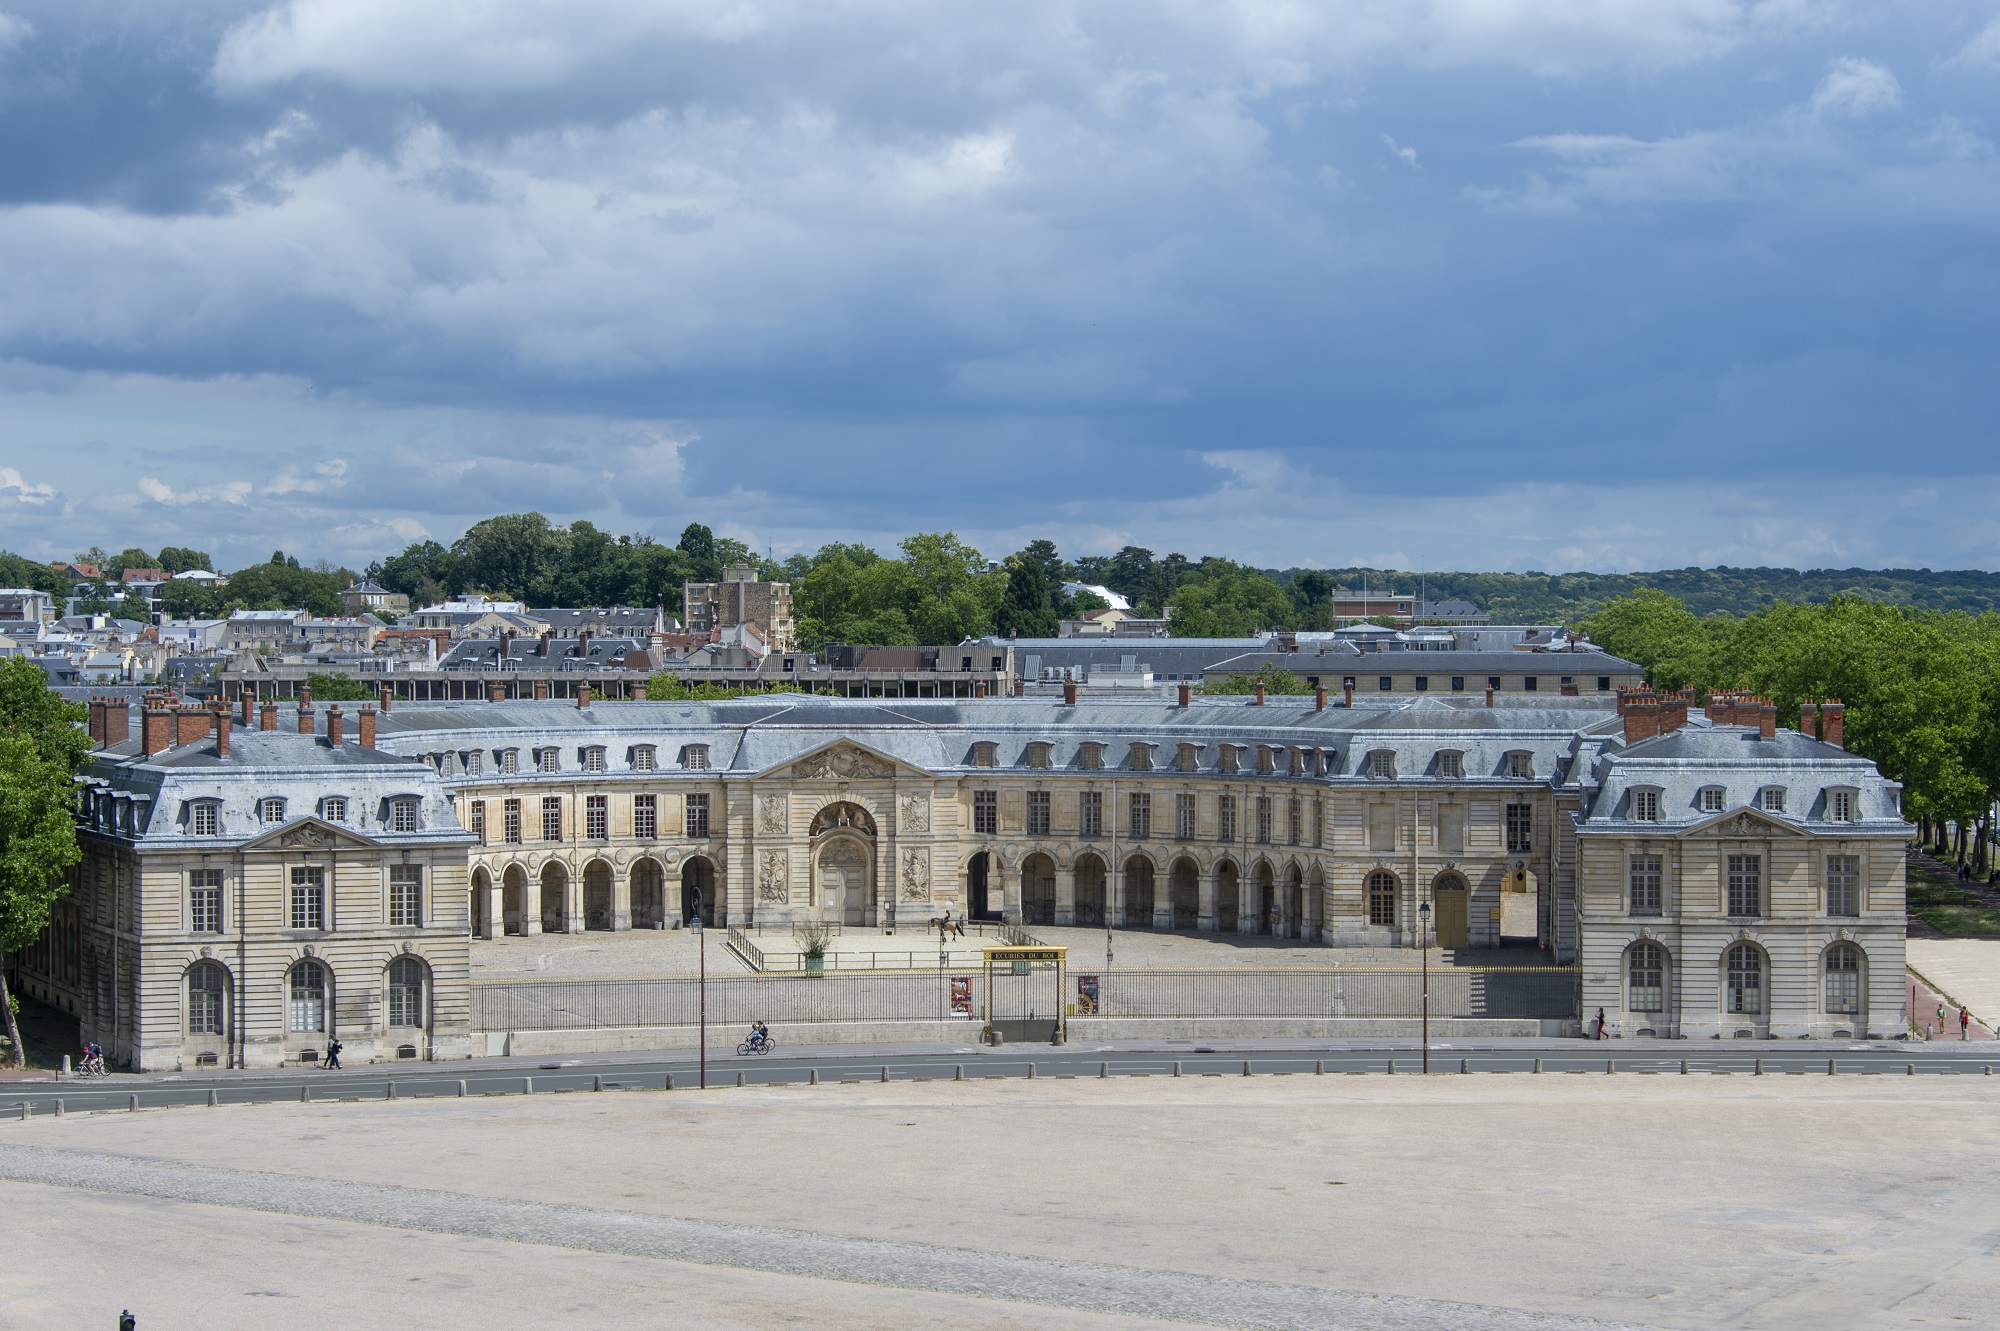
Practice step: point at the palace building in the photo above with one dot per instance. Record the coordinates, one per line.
(1706, 874)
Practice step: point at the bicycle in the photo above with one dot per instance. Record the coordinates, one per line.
(91, 1067)
(762, 1044)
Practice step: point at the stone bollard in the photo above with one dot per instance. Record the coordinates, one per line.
(213, 1099)
(59, 1109)
(1757, 1067)
(1684, 1067)
(1392, 1067)
(1538, 1065)
(305, 1095)
(1464, 1065)
(1103, 1070)
(1909, 1069)
(527, 1085)
(461, 1090)
(958, 1072)
(1610, 1066)
(670, 1081)
(24, 1111)
(1031, 1072)
(885, 1072)
(1177, 1067)
(597, 1082)
(1246, 1067)
(741, 1082)
(131, 1104)
(1830, 1068)
(389, 1091)
(812, 1077)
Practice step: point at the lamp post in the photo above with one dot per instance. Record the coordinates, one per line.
(1424, 946)
(701, 943)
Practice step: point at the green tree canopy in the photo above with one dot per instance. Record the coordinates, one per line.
(42, 748)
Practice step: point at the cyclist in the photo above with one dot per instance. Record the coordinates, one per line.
(93, 1059)
(760, 1034)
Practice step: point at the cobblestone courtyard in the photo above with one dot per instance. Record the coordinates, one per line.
(1478, 1202)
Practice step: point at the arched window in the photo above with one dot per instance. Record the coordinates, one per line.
(1646, 970)
(1381, 897)
(208, 989)
(407, 980)
(307, 1010)
(1843, 978)
(1745, 989)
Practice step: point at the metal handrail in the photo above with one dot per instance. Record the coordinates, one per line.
(743, 947)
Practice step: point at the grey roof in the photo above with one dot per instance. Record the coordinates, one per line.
(1742, 763)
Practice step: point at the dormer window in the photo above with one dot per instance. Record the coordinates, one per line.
(1141, 759)
(475, 762)
(1521, 766)
(1090, 755)
(1840, 806)
(204, 817)
(333, 808)
(1711, 799)
(1267, 762)
(403, 813)
(593, 758)
(1228, 760)
(694, 758)
(1646, 806)
(642, 757)
(1187, 757)
(1771, 799)
(1295, 761)
(1382, 765)
(271, 809)
(549, 759)
(984, 754)
(510, 761)
(1450, 765)
(1036, 755)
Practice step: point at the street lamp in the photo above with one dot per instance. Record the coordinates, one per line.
(701, 942)
(1424, 946)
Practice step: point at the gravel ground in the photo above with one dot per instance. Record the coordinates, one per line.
(1088, 1287)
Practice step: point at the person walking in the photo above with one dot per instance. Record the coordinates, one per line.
(333, 1048)
(1964, 1022)
(1940, 1017)
(1600, 1023)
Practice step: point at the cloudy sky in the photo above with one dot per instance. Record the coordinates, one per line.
(1547, 284)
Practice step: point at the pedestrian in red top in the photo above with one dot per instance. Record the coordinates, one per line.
(1964, 1024)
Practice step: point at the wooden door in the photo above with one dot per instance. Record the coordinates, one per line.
(1451, 917)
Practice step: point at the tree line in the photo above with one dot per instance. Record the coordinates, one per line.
(1922, 687)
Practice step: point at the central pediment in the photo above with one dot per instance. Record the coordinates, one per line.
(1744, 822)
(842, 760)
(310, 833)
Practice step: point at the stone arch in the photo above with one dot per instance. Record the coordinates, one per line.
(1038, 889)
(1184, 892)
(1091, 877)
(554, 899)
(1451, 907)
(407, 986)
(1228, 895)
(208, 990)
(597, 895)
(698, 879)
(1292, 906)
(1263, 897)
(844, 814)
(482, 896)
(649, 894)
(843, 877)
(1139, 874)
(513, 892)
(1646, 982)
(1843, 983)
(1745, 974)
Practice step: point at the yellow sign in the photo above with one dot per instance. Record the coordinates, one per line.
(994, 954)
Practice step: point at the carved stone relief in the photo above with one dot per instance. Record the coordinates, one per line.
(770, 815)
(308, 836)
(916, 874)
(917, 812)
(772, 882)
(842, 761)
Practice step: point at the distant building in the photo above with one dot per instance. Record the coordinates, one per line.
(373, 598)
(640, 622)
(1105, 594)
(24, 605)
(739, 599)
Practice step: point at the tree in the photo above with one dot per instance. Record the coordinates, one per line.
(517, 553)
(425, 572)
(698, 544)
(338, 687)
(180, 559)
(1025, 611)
(1274, 677)
(41, 751)
(1312, 593)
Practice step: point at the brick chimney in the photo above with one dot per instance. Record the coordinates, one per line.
(117, 722)
(979, 688)
(1809, 720)
(306, 695)
(1020, 688)
(156, 730)
(267, 715)
(1069, 693)
(1186, 694)
(1260, 693)
(223, 720)
(388, 697)
(1833, 722)
(583, 694)
(495, 690)
(1673, 711)
(191, 724)
(333, 727)
(1767, 718)
(1489, 697)
(639, 690)
(249, 702)
(1642, 715)
(542, 643)
(1347, 695)
(541, 690)
(364, 727)
(97, 714)
(305, 720)
(1319, 698)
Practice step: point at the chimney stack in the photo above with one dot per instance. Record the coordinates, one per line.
(1186, 694)
(541, 690)
(1069, 693)
(156, 730)
(267, 714)
(98, 711)
(191, 723)
(1767, 718)
(333, 735)
(223, 720)
(388, 696)
(306, 694)
(1809, 720)
(1833, 722)
(1319, 698)
(1642, 715)
(1489, 697)
(583, 694)
(1020, 688)
(365, 727)
(639, 690)
(249, 702)
(1347, 695)
(495, 690)
(305, 720)
(1260, 693)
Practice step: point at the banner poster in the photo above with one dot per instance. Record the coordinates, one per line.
(961, 995)
(1086, 995)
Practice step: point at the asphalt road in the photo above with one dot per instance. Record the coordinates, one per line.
(808, 1065)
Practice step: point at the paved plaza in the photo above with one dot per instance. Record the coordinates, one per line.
(1483, 1202)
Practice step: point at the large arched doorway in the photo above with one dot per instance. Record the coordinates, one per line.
(649, 895)
(1138, 893)
(1089, 890)
(1520, 907)
(482, 896)
(698, 885)
(1038, 890)
(1184, 893)
(1263, 899)
(597, 895)
(841, 872)
(513, 885)
(1293, 912)
(1227, 886)
(555, 897)
(1451, 911)
(977, 887)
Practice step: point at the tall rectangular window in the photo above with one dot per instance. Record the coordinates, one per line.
(403, 812)
(271, 809)
(695, 757)
(1263, 820)
(1646, 806)
(645, 816)
(205, 901)
(406, 895)
(593, 758)
(597, 817)
(1184, 817)
(1142, 816)
(1296, 820)
(510, 816)
(550, 759)
(1645, 885)
(1520, 828)
(697, 817)
(202, 818)
(552, 818)
(1038, 813)
(510, 761)
(1319, 822)
(642, 758)
(1840, 806)
(1843, 884)
(478, 813)
(1090, 814)
(308, 898)
(1746, 885)
(985, 812)
(1225, 818)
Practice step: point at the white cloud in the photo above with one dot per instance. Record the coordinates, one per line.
(14, 30)
(22, 491)
(1983, 51)
(1854, 88)
(226, 492)
(1409, 155)
(321, 477)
